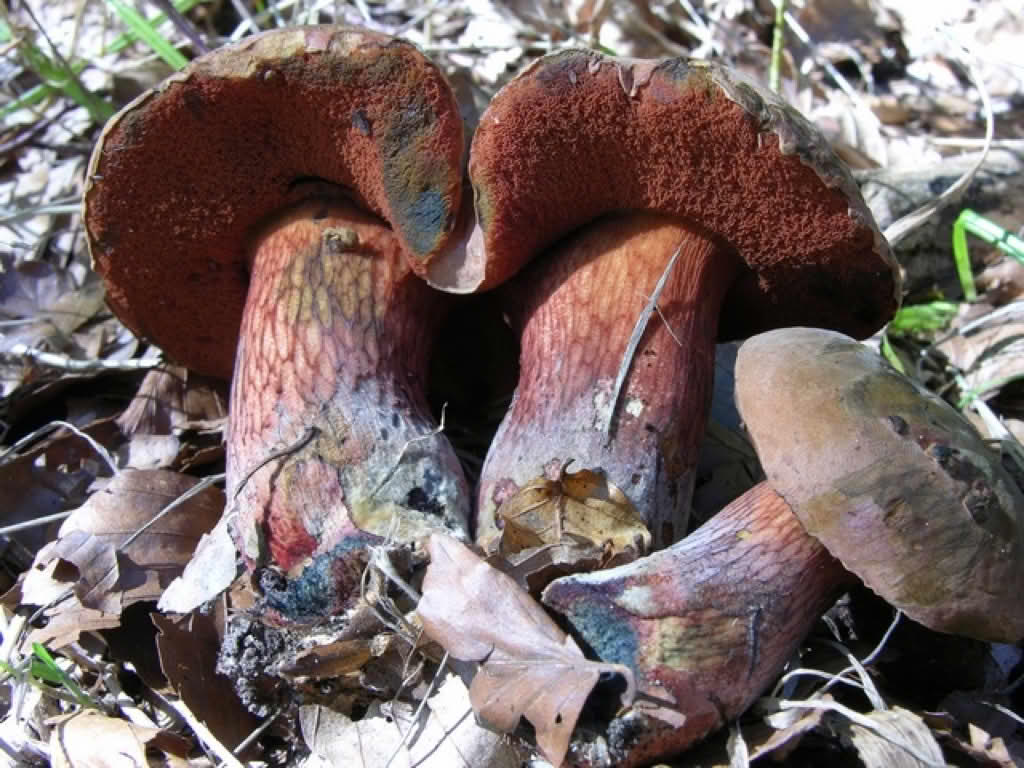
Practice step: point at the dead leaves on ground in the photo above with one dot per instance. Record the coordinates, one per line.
(442, 734)
(581, 521)
(188, 648)
(99, 566)
(93, 740)
(529, 667)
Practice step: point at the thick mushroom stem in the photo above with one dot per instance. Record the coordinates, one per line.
(330, 440)
(577, 308)
(705, 625)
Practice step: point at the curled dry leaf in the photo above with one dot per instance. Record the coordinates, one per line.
(113, 575)
(529, 667)
(212, 569)
(894, 738)
(578, 507)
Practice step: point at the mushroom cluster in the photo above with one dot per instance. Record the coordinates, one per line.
(296, 246)
(870, 477)
(625, 178)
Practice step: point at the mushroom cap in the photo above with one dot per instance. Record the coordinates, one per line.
(579, 135)
(186, 175)
(890, 478)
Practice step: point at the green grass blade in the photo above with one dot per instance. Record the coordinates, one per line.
(61, 677)
(890, 355)
(992, 234)
(962, 258)
(148, 34)
(65, 80)
(127, 38)
(970, 394)
(922, 319)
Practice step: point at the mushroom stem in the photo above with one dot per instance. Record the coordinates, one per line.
(707, 624)
(330, 440)
(577, 308)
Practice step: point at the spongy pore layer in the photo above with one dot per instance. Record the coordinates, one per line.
(220, 149)
(580, 135)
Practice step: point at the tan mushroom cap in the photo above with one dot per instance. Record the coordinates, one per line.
(890, 478)
(579, 135)
(187, 174)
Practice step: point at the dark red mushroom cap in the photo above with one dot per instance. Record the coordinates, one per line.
(188, 173)
(579, 135)
(893, 481)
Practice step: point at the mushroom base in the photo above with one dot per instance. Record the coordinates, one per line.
(577, 309)
(330, 441)
(705, 625)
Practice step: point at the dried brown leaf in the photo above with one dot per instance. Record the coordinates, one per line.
(92, 740)
(442, 736)
(114, 575)
(989, 357)
(529, 667)
(331, 660)
(897, 738)
(66, 621)
(172, 398)
(213, 569)
(579, 505)
(188, 651)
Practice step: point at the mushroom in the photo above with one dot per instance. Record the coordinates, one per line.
(257, 214)
(869, 476)
(635, 161)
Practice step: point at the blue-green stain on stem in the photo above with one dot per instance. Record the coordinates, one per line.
(325, 584)
(601, 625)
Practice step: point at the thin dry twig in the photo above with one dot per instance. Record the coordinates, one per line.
(195, 490)
(53, 426)
(205, 735)
(634, 340)
(298, 445)
(25, 353)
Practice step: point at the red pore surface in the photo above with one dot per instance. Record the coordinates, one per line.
(579, 135)
(185, 174)
(577, 308)
(327, 395)
(705, 625)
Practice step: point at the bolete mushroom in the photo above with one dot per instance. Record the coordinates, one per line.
(256, 215)
(869, 475)
(636, 161)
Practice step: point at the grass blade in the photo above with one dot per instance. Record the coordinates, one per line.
(148, 34)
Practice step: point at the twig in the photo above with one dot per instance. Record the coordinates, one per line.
(298, 445)
(183, 25)
(45, 520)
(634, 340)
(206, 736)
(53, 426)
(864, 722)
(244, 743)
(64, 363)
